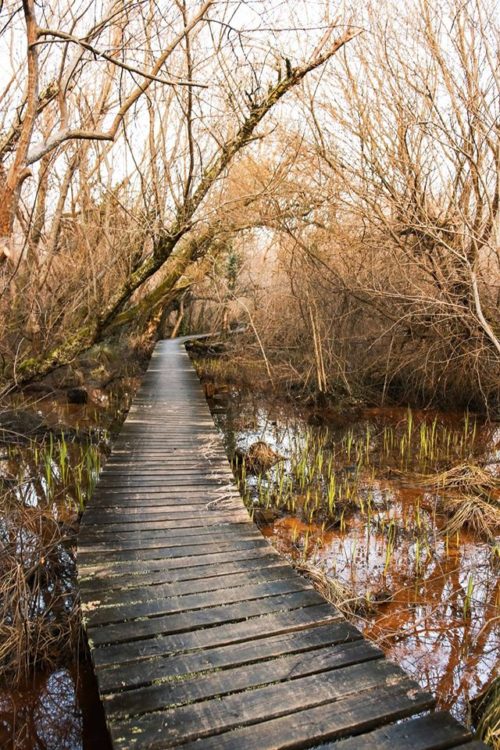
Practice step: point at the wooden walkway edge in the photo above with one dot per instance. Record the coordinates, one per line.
(201, 635)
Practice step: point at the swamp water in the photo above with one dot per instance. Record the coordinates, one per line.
(44, 484)
(429, 598)
(366, 505)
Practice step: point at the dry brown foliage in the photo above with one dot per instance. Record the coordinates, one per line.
(39, 618)
(470, 496)
(377, 271)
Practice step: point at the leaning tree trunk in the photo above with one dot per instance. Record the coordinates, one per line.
(114, 313)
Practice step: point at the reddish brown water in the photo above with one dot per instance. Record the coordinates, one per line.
(56, 708)
(422, 625)
(433, 598)
(60, 710)
(437, 596)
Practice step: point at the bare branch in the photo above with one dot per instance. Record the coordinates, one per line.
(119, 63)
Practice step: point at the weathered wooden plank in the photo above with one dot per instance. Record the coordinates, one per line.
(152, 538)
(180, 569)
(339, 718)
(168, 552)
(168, 512)
(145, 513)
(149, 521)
(144, 482)
(134, 455)
(223, 682)
(175, 495)
(119, 581)
(148, 559)
(166, 457)
(172, 726)
(151, 436)
(207, 522)
(147, 671)
(153, 608)
(114, 598)
(138, 530)
(174, 505)
(184, 621)
(273, 621)
(174, 466)
(435, 731)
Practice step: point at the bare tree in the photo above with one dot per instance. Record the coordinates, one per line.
(402, 246)
(169, 137)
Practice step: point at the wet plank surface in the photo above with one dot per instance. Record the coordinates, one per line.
(201, 635)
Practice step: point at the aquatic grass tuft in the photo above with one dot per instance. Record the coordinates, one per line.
(469, 496)
(340, 595)
(486, 715)
(39, 614)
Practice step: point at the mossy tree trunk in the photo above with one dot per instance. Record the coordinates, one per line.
(166, 244)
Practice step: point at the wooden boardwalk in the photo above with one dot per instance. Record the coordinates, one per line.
(202, 636)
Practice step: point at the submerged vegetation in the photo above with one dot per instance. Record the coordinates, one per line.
(46, 477)
(394, 516)
(43, 488)
(470, 497)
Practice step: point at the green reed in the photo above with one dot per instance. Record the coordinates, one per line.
(55, 472)
(325, 481)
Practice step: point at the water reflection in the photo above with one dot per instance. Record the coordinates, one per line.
(44, 484)
(60, 711)
(431, 598)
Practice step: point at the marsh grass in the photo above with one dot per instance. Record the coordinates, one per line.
(486, 713)
(44, 486)
(325, 480)
(469, 496)
(340, 595)
(240, 370)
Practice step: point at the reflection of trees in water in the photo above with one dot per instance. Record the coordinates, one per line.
(43, 485)
(38, 612)
(427, 633)
(43, 718)
(423, 626)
